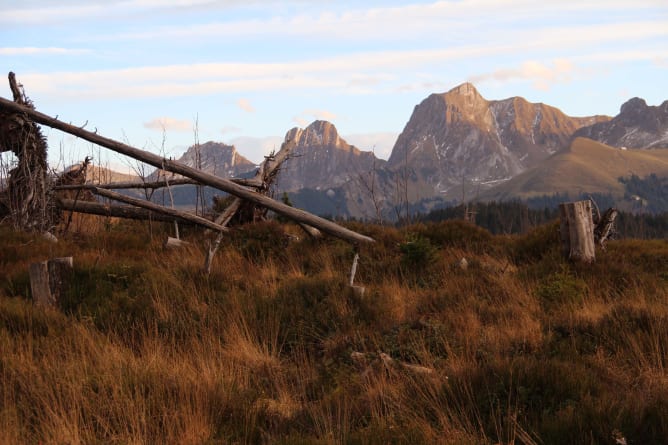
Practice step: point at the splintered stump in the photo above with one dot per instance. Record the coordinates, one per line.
(577, 231)
(49, 280)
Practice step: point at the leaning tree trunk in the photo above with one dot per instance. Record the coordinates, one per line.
(577, 231)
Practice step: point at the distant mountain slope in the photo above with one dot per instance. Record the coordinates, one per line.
(636, 126)
(217, 158)
(586, 167)
(461, 135)
(322, 159)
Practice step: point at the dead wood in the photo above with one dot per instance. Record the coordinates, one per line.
(27, 198)
(182, 169)
(577, 231)
(605, 227)
(160, 209)
(49, 280)
(113, 210)
(175, 243)
(150, 185)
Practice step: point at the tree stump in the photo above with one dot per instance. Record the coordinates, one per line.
(577, 231)
(49, 280)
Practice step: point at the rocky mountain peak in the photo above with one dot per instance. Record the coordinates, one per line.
(459, 135)
(322, 158)
(318, 133)
(467, 90)
(637, 125)
(634, 106)
(217, 158)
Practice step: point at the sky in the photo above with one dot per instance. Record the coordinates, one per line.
(164, 74)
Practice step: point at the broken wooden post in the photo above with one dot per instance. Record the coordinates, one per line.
(605, 227)
(49, 280)
(358, 290)
(175, 243)
(577, 231)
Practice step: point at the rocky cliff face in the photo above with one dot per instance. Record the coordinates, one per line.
(218, 159)
(322, 159)
(459, 135)
(636, 126)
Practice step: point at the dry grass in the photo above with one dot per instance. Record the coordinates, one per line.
(518, 348)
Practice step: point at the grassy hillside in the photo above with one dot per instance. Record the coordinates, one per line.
(518, 347)
(586, 167)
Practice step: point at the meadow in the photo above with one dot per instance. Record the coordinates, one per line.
(518, 347)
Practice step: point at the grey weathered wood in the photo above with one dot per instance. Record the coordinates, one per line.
(160, 209)
(175, 243)
(113, 210)
(39, 284)
(49, 280)
(60, 275)
(605, 227)
(182, 169)
(151, 185)
(577, 231)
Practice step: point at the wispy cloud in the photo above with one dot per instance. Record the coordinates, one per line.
(416, 21)
(31, 50)
(542, 75)
(230, 129)
(169, 124)
(352, 73)
(380, 143)
(307, 116)
(245, 105)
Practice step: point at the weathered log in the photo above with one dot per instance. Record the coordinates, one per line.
(182, 169)
(160, 209)
(112, 210)
(311, 231)
(175, 243)
(49, 280)
(577, 231)
(151, 185)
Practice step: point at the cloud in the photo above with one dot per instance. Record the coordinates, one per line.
(245, 105)
(479, 18)
(169, 124)
(304, 118)
(543, 76)
(380, 143)
(256, 148)
(230, 129)
(29, 50)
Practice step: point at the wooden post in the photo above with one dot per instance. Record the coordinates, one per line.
(39, 284)
(577, 231)
(49, 279)
(175, 243)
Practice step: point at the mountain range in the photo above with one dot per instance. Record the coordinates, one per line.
(460, 146)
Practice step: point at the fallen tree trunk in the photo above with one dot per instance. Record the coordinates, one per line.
(150, 185)
(160, 209)
(117, 211)
(182, 169)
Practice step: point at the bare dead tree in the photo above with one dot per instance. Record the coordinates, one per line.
(368, 182)
(27, 196)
